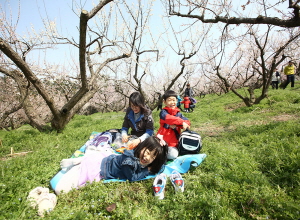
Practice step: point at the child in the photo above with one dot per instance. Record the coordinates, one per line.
(192, 105)
(171, 123)
(275, 79)
(148, 157)
(187, 103)
(139, 118)
(179, 102)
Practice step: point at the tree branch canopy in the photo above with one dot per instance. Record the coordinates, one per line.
(292, 22)
(23, 66)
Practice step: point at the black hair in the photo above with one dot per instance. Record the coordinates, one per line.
(153, 144)
(169, 93)
(137, 99)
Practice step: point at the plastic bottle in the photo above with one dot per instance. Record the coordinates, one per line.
(118, 141)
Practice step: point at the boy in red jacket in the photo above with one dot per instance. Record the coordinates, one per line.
(186, 103)
(171, 123)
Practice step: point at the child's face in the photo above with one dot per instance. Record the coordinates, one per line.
(171, 102)
(147, 157)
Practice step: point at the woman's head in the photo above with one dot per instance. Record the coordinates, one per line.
(137, 102)
(152, 153)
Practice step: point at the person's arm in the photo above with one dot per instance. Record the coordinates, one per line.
(125, 127)
(175, 120)
(149, 132)
(146, 135)
(294, 69)
(124, 134)
(170, 119)
(149, 126)
(70, 162)
(285, 70)
(185, 126)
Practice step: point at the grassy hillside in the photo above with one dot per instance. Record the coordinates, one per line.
(252, 169)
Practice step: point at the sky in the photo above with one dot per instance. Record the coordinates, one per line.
(31, 14)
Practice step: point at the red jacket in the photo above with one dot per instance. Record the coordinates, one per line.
(186, 101)
(169, 116)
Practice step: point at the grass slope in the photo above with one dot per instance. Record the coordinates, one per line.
(252, 169)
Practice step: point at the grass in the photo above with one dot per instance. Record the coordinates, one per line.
(252, 169)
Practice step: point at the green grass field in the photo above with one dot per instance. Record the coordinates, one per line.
(252, 169)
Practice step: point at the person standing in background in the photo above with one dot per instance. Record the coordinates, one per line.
(275, 79)
(289, 71)
(188, 91)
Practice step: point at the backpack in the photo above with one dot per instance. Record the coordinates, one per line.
(189, 143)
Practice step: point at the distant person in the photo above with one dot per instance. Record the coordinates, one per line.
(186, 103)
(179, 99)
(193, 103)
(147, 158)
(189, 91)
(159, 106)
(139, 119)
(289, 71)
(171, 122)
(275, 79)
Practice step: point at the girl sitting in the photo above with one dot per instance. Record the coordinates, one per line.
(138, 119)
(148, 157)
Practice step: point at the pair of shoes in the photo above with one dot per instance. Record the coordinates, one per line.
(160, 181)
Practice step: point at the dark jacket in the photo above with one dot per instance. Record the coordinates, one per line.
(189, 92)
(125, 166)
(144, 124)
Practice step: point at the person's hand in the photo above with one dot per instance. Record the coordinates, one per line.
(125, 138)
(185, 126)
(66, 163)
(70, 162)
(173, 126)
(132, 144)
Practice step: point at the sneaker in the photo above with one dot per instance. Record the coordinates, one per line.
(177, 181)
(159, 185)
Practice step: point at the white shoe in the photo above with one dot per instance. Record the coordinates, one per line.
(159, 185)
(43, 200)
(46, 204)
(177, 181)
